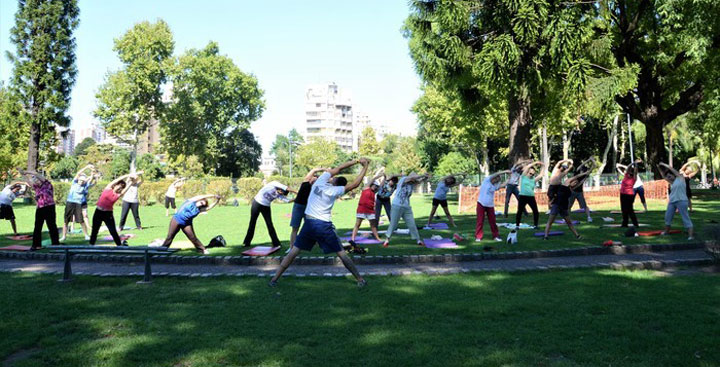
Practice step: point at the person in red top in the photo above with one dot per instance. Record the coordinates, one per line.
(104, 211)
(366, 210)
(627, 194)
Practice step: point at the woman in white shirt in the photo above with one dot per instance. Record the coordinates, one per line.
(261, 205)
(170, 195)
(131, 202)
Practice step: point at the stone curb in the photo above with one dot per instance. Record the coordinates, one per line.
(363, 260)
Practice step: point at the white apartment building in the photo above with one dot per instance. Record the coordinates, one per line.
(65, 144)
(362, 121)
(329, 115)
(268, 165)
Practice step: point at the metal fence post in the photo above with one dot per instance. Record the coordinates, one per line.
(67, 271)
(147, 278)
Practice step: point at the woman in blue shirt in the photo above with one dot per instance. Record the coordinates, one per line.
(183, 219)
(440, 198)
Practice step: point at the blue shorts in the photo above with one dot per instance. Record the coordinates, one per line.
(320, 232)
(298, 213)
(556, 210)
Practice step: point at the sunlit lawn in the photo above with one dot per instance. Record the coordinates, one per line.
(567, 318)
(231, 222)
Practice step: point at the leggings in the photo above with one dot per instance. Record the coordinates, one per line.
(100, 217)
(406, 213)
(640, 191)
(46, 215)
(175, 227)
(626, 205)
(382, 203)
(527, 200)
(255, 210)
(511, 190)
(127, 206)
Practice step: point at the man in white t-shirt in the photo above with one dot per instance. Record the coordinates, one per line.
(261, 205)
(318, 227)
(7, 196)
(486, 205)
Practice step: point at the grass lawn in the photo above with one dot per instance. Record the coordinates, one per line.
(231, 222)
(563, 318)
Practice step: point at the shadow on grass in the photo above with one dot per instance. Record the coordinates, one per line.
(547, 319)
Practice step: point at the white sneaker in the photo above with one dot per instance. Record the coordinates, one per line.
(691, 238)
(87, 238)
(589, 220)
(478, 240)
(62, 239)
(663, 233)
(497, 239)
(206, 252)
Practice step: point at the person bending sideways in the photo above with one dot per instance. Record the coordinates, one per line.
(318, 227)
(366, 210)
(677, 200)
(73, 203)
(382, 198)
(401, 208)
(486, 205)
(170, 195)
(45, 211)
(104, 210)
(440, 198)
(560, 203)
(528, 180)
(627, 195)
(7, 196)
(183, 220)
(689, 170)
(131, 202)
(92, 180)
(261, 205)
(513, 184)
(559, 172)
(577, 190)
(301, 199)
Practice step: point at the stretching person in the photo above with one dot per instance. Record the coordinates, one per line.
(261, 205)
(7, 196)
(300, 203)
(627, 195)
(382, 198)
(45, 211)
(170, 195)
(513, 184)
(582, 173)
(318, 227)
(366, 210)
(528, 180)
(440, 198)
(688, 173)
(401, 208)
(183, 220)
(561, 202)
(486, 205)
(92, 180)
(104, 210)
(73, 203)
(559, 172)
(131, 202)
(677, 200)
(639, 190)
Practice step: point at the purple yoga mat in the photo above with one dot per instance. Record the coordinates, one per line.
(366, 241)
(444, 243)
(357, 238)
(439, 226)
(551, 233)
(560, 221)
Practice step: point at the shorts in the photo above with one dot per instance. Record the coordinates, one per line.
(73, 210)
(555, 209)
(169, 202)
(6, 212)
(84, 207)
(439, 202)
(580, 197)
(298, 213)
(320, 232)
(365, 216)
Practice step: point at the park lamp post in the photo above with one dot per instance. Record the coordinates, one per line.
(290, 146)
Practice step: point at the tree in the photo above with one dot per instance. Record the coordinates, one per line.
(240, 154)
(406, 158)
(151, 167)
(674, 46)
(281, 149)
(211, 96)
(43, 68)
(82, 147)
(13, 145)
(120, 163)
(368, 142)
(318, 153)
(455, 162)
(65, 167)
(131, 98)
(186, 166)
(99, 155)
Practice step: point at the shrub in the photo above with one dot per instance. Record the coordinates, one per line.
(222, 187)
(193, 187)
(96, 190)
(293, 183)
(61, 192)
(248, 187)
(150, 191)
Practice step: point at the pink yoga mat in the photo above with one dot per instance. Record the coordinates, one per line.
(574, 222)
(439, 226)
(22, 237)
(367, 241)
(444, 243)
(123, 237)
(15, 248)
(260, 251)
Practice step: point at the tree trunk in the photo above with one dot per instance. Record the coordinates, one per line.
(520, 123)
(545, 156)
(485, 167)
(670, 147)
(611, 139)
(655, 144)
(622, 144)
(34, 147)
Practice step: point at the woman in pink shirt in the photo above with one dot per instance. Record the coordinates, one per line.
(104, 211)
(627, 194)
(45, 211)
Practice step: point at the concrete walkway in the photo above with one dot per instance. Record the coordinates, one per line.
(651, 260)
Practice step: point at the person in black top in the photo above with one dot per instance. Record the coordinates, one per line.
(560, 202)
(301, 199)
(577, 192)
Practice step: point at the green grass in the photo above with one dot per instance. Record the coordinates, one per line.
(564, 318)
(231, 222)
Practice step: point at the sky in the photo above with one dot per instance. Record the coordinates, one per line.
(286, 44)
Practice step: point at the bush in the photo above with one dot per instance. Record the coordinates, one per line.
(61, 192)
(248, 187)
(150, 191)
(222, 187)
(96, 190)
(293, 183)
(193, 187)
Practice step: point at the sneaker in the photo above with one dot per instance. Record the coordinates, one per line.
(579, 237)
(288, 250)
(206, 252)
(497, 239)
(386, 244)
(663, 233)
(421, 243)
(124, 243)
(87, 238)
(637, 235)
(691, 238)
(478, 240)
(589, 220)
(545, 238)
(62, 239)
(352, 244)
(362, 283)
(272, 283)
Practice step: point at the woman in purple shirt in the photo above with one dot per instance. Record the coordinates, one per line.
(45, 211)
